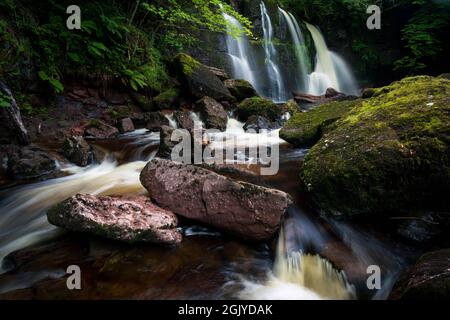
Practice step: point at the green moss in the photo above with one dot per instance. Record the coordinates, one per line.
(259, 107)
(305, 128)
(166, 98)
(188, 64)
(388, 155)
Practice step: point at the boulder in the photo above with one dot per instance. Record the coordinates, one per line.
(291, 106)
(330, 95)
(388, 156)
(12, 129)
(167, 99)
(184, 120)
(97, 129)
(77, 150)
(198, 80)
(220, 73)
(240, 89)
(155, 120)
(257, 106)
(165, 143)
(304, 129)
(213, 113)
(30, 162)
(125, 125)
(428, 279)
(258, 123)
(128, 219)
(143, 101)
(246, 210)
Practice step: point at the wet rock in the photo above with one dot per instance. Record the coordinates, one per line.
(97, 129)
(166, 144)
(12, 129)
(77, 150)
(246, 210)
(184, 120)
(388, 156)
(291, 106)
(213, 113)
(426, 228)
(330, 95)
(220, 73)
(129, 219)
(304, 129)
(428, 279)
(155, 120)
(258, 123)
(240, 89)
(167, 99)
(198, 80)
(115, 97)
(126, 125)
(257, 106)
(30, 162)
(143, 101)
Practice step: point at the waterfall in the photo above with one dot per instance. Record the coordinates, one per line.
(324, 63)
(239, 52)
(299, 46)
(277, 90)
(330, 70)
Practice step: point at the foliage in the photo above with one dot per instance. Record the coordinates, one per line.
(122, 39)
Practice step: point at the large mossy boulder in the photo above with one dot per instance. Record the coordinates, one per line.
(167, 99)
(304, 129)
(198, 80)
(389, 155)
(257, 106)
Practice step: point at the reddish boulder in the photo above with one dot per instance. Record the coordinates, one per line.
(129, 219)
(243, 209)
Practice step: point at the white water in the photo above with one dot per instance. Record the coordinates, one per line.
(23, 219)
(172, 122)
(238, 49)
(330, 70)
(300, 48)
(276, 90)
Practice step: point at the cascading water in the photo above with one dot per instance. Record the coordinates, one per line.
(330, 69)
(276, 90)
(299, 46)
(239, 51)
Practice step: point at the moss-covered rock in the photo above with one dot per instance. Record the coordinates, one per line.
(388, 155)
(240, 89)
(291, 106)
(257, 106)
(304, 129)
(198, 80)
(167, 99)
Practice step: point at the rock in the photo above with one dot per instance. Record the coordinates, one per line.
(240, 89)
(246, 210)
(367, 93)
(126, 125)
(143, 101)
(428, 279)
(291, 106)
(12, 129)
(330, 95)
(30, 162)
(155, 120)
(304, 129)
(184, 120)
(220, 73)
(114, 97)
(77, 150)
(445, 76)
(258, 123)
(167, 99)
(257, 106)
(425, 228)
(128, 219)
(388, 156)
(166, 144)
(213, 113)
(97, 129)
(198, 80)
